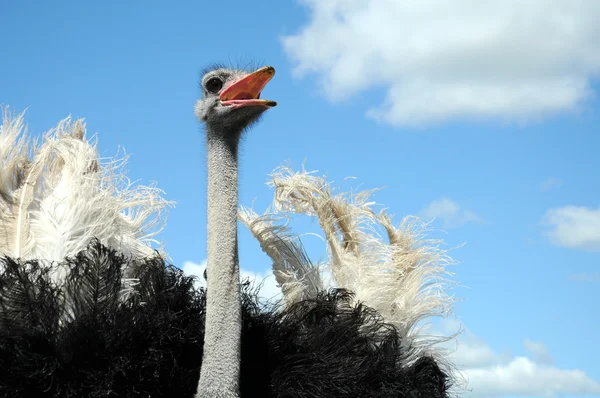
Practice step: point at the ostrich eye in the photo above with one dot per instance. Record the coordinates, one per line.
(214, 85)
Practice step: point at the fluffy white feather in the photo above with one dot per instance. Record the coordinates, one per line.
(401, 274)
(54, 201)
(297, 276)
(14, 171)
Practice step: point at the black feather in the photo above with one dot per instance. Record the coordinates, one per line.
(89, 340)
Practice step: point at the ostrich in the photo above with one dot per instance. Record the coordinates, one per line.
(231, 104)
(107, 317)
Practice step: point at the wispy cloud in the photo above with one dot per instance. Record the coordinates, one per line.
(575, 227)
(538, 351)
(585, 277)
(268, 287)
(514, 59)
(549, 184)
(450, 213)
(491, 374)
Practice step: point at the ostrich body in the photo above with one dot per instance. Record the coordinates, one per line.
(230, 104)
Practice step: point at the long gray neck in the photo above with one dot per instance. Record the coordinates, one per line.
(219, 376)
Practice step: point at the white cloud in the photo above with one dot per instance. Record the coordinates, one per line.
(473, 352)
(512, 59)
(538, 351)
(450, 213)
(576, 227)
(191, 268)
(491, 374)
(521, 376)
(268, 290)
(550, 183)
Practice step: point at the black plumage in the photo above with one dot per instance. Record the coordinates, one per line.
(95, 336)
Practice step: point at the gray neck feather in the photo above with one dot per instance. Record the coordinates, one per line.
(219, 376)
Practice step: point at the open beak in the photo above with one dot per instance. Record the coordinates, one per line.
(246, 91)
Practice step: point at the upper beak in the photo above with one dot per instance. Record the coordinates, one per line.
(246, 91)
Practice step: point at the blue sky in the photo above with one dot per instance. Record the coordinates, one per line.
(484, 117)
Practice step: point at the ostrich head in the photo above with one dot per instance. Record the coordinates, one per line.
(231, 100)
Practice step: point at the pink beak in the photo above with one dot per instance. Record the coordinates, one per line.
(246, 91)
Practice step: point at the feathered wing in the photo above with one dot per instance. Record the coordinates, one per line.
(54, 202)
(402, 275)
(16, 173)
(298, 277)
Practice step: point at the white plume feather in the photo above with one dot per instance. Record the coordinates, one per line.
(55, 201)
(402, 274)
(15, 188)
(295, 274)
